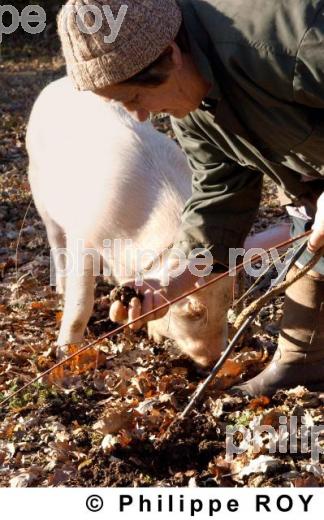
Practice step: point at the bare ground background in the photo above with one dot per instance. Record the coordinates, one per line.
(98, 422)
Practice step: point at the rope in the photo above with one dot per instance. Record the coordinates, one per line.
(257, 305)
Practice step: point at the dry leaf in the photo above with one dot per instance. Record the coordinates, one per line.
(192, 483)
(262, 464)
(24, 477)
(114, 420)
(259, 402)
(108, 443)
(308, 481)
(220, 469)
(58, 317)
(124, 439)
(37, 306)
(231, 368)
(317, 469)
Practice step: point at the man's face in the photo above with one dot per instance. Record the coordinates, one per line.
(180, 94)
(142, 101)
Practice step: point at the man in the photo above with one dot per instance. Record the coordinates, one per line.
(244, 82)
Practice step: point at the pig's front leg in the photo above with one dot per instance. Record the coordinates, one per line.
(56, 239)
(79, 295)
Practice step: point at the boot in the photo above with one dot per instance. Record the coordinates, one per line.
(299, 359)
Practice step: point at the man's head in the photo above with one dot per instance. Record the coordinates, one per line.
(134, 52)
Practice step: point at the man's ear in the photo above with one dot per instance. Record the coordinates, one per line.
(176, 56)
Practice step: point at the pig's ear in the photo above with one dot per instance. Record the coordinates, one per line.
(195, 310)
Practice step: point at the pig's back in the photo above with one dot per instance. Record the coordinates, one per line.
(94, 167)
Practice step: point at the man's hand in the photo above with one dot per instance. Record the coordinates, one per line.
(155, 294)
(153, 297)
(316, 240)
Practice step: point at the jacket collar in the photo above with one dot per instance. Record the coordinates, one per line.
(201, 49)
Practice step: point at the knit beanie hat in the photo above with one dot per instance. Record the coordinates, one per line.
(108, 41)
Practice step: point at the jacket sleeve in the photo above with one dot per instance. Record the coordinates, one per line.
(225, 196)
(308, 83)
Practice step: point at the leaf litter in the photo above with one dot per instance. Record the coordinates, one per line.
(99, 420)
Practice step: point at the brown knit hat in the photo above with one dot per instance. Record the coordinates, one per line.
(93, 59)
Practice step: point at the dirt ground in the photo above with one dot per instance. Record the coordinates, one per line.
(101, 420)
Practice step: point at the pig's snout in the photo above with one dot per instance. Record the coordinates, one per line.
(199, 328)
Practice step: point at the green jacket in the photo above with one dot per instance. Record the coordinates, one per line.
(263, 115)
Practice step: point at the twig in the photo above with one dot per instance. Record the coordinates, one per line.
(19, 238)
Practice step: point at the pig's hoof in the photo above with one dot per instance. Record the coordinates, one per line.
(62, 352)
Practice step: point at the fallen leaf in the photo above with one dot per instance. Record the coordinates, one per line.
(58, 317)
(262, 464)
(24, 477)
(108, 443)
(307, 481)
(37, 305)
(231, 368)
(259, 402)
(192, 483)
(114, 420)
